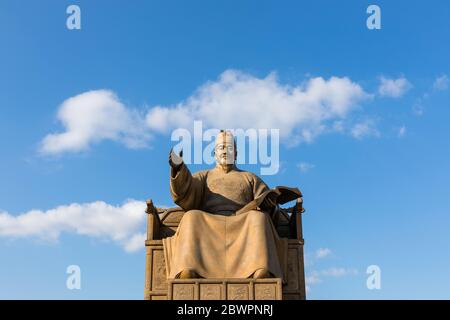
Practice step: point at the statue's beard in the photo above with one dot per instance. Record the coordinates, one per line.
(225, 160)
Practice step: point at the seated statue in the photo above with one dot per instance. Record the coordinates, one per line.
(227, 230)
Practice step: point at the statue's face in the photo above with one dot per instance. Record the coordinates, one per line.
(224, 150)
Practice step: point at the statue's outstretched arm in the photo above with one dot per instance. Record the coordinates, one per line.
(186, 189)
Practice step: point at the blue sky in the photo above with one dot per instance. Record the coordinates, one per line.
(375, 180)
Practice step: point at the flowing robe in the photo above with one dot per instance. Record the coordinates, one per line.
(211, 239)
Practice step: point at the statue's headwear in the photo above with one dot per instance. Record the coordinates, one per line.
(225, 136)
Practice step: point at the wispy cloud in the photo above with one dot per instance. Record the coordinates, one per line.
(121, 224)
(441, 83)
(322, 253)
(305, 166)
(317, 275)
(394, 88)
(402, 131)
(338, 272)
(365, 128)
(313, 278)
(418, 108)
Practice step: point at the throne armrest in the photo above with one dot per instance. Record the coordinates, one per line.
(162, 222)
(295, 221)
(153, 221)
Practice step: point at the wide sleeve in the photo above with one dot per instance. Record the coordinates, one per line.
(186, 189)
(259, 187)
(260, 192)
(265, 197)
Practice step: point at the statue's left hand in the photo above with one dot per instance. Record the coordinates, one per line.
(269, 203)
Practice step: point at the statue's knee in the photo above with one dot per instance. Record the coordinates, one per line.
(188, 274)
(193, 213)
(255, 214)
(262, 274)
(191, 216)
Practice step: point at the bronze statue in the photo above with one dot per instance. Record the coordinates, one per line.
(227, 230)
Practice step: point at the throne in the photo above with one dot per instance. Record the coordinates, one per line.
(162, 223)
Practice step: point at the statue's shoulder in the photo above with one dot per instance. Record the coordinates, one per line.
(249, 175)
(201, 173)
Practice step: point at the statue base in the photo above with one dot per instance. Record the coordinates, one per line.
(225, 289)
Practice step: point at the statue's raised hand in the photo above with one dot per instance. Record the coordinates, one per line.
(175, 160)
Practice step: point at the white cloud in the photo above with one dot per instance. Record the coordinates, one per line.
(365, 128)
(240, 100)
(441, 83)
(322, 253)
(94, 116)
(305, 167)
(121, 224)
(393, 88)
(235, 100)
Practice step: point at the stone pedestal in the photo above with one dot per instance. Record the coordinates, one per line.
(225, 289)
(157, 285)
